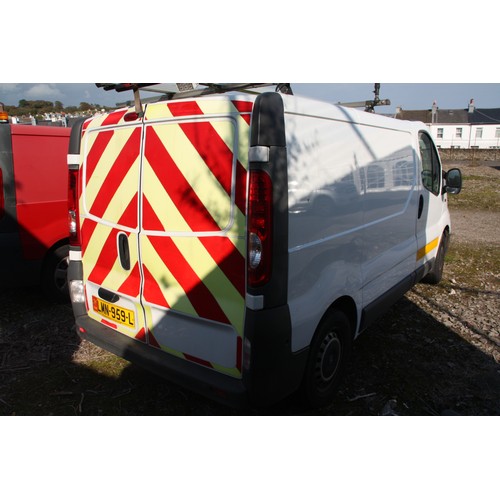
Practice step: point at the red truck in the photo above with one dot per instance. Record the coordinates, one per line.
(33, 207)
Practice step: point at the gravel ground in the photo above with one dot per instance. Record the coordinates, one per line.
(436, 352)
(476, 226)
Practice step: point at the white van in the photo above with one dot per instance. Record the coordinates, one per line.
(236, 243)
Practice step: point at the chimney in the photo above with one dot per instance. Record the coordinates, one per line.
(434, 112)
(472, 106)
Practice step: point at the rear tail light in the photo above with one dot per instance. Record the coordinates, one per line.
(260, 202)
(73, 212)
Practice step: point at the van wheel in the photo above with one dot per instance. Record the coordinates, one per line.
(328, 356)
(55, 274)
(436, 273)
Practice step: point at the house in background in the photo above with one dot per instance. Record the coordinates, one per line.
(469, 128)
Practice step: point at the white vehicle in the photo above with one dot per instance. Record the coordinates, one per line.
(199, 248)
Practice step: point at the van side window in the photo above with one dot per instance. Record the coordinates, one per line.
(431, 167)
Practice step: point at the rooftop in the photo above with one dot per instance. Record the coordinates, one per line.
(471, 115)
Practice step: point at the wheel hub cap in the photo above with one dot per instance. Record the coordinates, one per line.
(329, 358)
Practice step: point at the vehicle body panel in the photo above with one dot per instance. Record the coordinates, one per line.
(34, 185)
(364, 243)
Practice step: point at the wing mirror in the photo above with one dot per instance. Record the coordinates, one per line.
(453, 181)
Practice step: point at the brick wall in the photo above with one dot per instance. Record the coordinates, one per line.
(469, 154)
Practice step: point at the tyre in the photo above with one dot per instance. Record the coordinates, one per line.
(435, 275)
(55, 273)
(330, 350)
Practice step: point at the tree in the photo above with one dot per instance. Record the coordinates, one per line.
(84, 106)
(58, 106)
(40, 105)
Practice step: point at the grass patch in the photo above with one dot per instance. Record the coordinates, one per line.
(469, 178)
(110, 366)
(480, 191)
(470, 270)
(476, 198)
(471, 263)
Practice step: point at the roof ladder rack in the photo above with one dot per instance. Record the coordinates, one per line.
(181, 90)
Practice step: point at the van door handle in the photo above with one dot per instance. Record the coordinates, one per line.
(123, 251)
(108, 295)
(420, 206)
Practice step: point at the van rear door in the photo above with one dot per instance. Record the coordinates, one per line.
(109, 212)
(193, 229)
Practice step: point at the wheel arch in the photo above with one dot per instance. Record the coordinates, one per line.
(347, 305)
(329, 352)
(52, 249)
(53, 274)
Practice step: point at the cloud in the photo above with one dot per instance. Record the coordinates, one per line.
(8, 88)
(44, 91)
(9, 93)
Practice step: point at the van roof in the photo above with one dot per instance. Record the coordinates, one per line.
(292, 103)
(324, 109)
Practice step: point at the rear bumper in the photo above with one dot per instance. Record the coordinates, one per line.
(196, 378)
(274, 372)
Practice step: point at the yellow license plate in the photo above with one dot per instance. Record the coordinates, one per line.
(114, 313)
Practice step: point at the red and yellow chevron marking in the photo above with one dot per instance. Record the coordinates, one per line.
(194, 173)
(111, 176)
(109, 205)
(181, 274)
(234, 370)
(189, 219)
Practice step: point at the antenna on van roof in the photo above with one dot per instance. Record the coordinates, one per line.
(368, 105)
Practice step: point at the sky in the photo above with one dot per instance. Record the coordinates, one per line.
(406, 95)
(412, 53)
